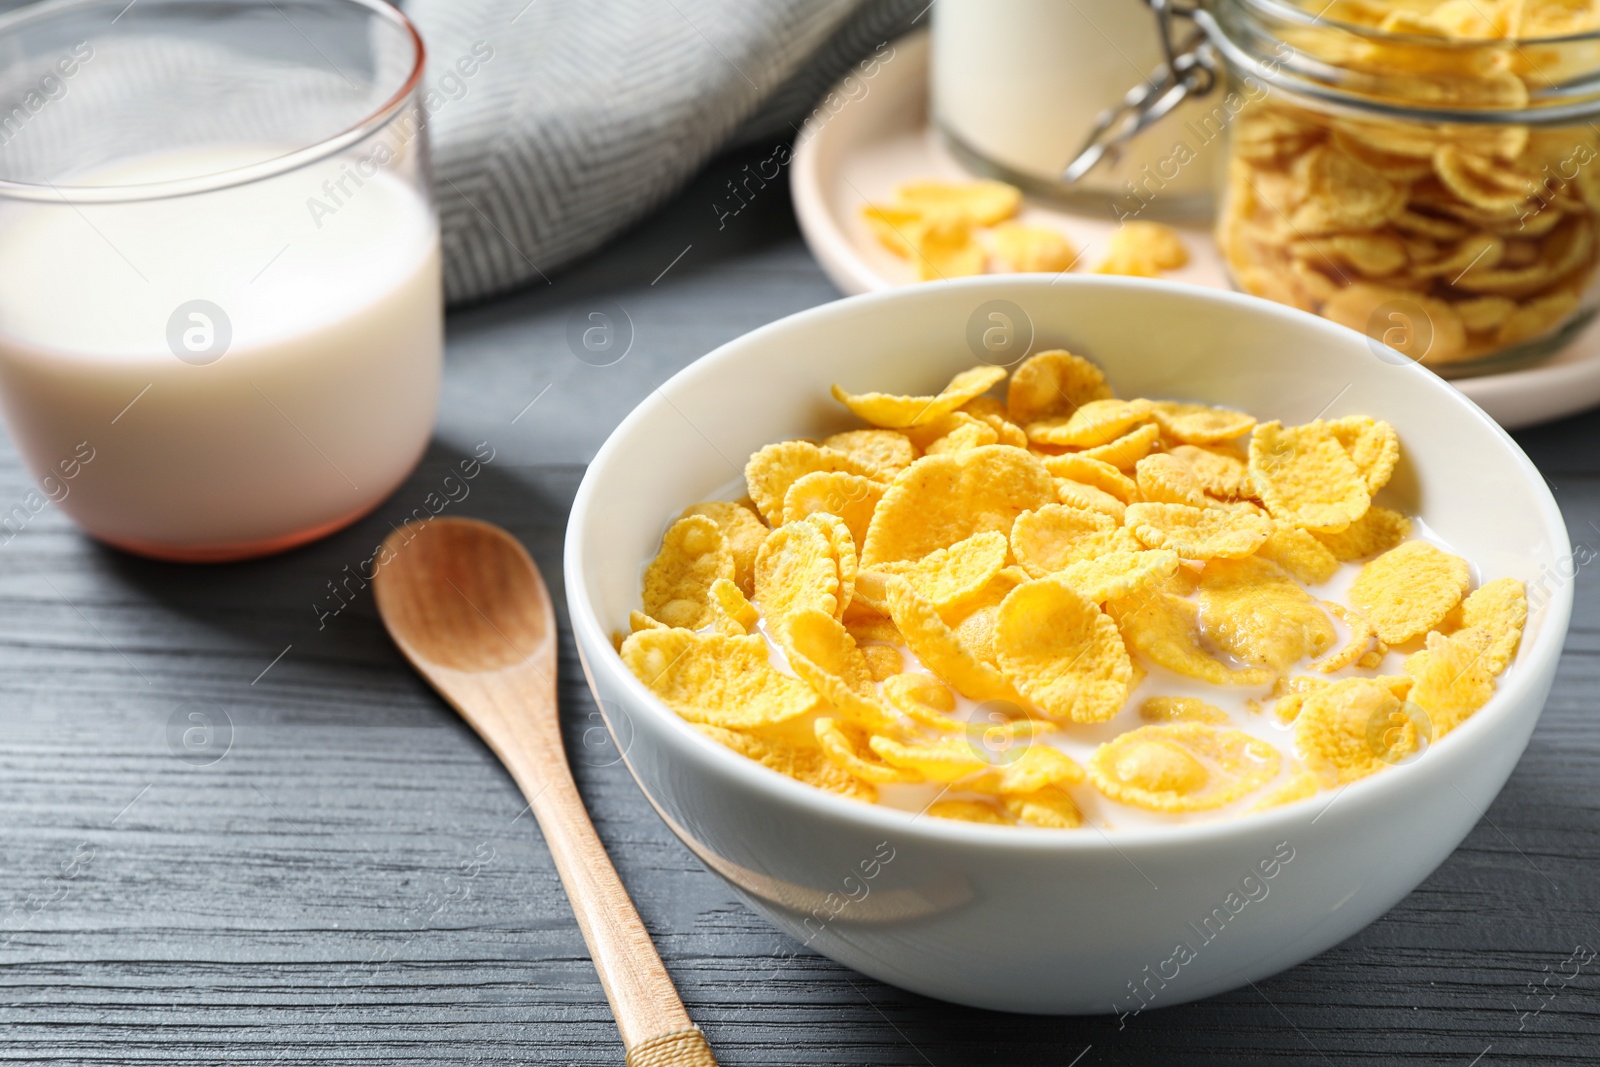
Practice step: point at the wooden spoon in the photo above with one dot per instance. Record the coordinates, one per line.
(469, 609)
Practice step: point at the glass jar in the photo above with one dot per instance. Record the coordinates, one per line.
(1422, 179)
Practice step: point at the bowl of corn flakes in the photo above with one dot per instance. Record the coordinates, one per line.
(1066, 646)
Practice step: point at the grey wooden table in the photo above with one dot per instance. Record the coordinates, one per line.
(339, 873)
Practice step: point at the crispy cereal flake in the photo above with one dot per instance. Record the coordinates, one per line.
(1409, 590)
(1378, 530)
(1198, 533)
(772, 470)
(1053, 384)
(898, 412)
(940, 649)
(1305, 476)
(677, 584)
(1187, 766)
(1254, 610)
(806, 765)
(714, 679)
(1058, 649)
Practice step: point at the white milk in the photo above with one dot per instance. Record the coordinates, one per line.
(320, 404)
(1021, 83)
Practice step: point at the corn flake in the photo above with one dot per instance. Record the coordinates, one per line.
(1501, 608)
(1053, 384)
(1093, 423)
(1128, 449)
(715, 679)
(845, 744)
(1165, 630)
(1143, 250)
(1200, 424)
(1187, 766)
(947, 578)
(1252, 609)
(1058, 649)
(677, 584)
(1409, 590)
(1198, 533)
(940, 500)
(1165, 479)
(946, 759)
(1053, 537)
(979, 203)
(1088, 498)
(898, 412)
(1116, 575)
(732, 613)
(1352, 728)
(1182, 709)
(797, 569)
(1050, 808)
(888, 451)
(1033, 248)
(1454, 676)
(924, 699)
(939, 648)
(802, 764)
(773, 469)
(852, 497)
(1302, 554)
(1305, 476)
(1377, 530)
(978, 811)
(822, 652)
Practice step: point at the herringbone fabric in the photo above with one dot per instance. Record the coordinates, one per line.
(591, 112)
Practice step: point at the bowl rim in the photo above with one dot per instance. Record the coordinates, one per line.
(1536, 662)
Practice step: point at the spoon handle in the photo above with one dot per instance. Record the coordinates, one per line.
(655, 1028)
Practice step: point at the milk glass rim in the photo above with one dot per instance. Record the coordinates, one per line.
(235, 176)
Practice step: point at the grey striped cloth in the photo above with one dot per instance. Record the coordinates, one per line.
(588, 113)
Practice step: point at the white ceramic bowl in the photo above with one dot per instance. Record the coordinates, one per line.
(1076, 921)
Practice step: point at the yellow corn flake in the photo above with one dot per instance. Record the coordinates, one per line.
(940, 500)
(1006, 432)
(1341, 194)
(638, 620)
(945, 759)
(945, 247)
(843, 549)
(1252, 609)
(744, 532)
(732, 613)
(979, 203)
(1050, 808)
(1128, 449)
(978, 811)
(1501, 608)
(1302, 554)
(1200, 424)
(1221, 473)
(950, 577)
(1143, 250)
(1353, 728)
(1356, 647)
(852, 497)
(1056, 536)
(1096, 422)
(1373, 445)
(883, 661)
(715, 679)
(1165, 479)
(1027, 769)
(806, 765)
(940, 650)
(924, 699)
(1088, 498)
(1182, 709)
(1300, 784)
(1198, 533)
(796, 570)
(677, 584)
(1033, 248)
(1165, 630)
(1116, 575)
(1290, 694)
(772, 470)
(1058, 649)
(845, 744)
(1305, 476)
(1187, 766)
(822, 652)
(966, 432)
(1454, 676)
(878, 628)
(898, 412)
(896, 228)
(1409, 590)
(888, 451)
(1078, 467)
(1053, 384)
(1377, 530)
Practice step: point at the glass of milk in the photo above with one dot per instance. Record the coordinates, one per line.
(220, 300)
(1018, 84)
